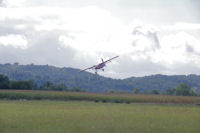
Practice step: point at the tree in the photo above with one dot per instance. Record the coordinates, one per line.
(16, 63)
(194, 91)
(111, 91)
(76, 89)
(4, 82)
(136, 90)
(60, 87)
(170, 91)
(48, 86)
(154, 91)
(183, 90)
(23, 85)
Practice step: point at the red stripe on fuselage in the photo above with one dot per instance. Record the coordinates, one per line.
(101, 65)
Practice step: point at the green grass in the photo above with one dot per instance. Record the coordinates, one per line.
(19, 116)
(97, 97)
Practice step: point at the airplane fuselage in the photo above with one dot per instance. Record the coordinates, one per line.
(100, 66)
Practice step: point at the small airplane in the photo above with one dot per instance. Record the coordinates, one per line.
(100, 65)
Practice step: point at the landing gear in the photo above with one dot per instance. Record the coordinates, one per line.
(102, 69)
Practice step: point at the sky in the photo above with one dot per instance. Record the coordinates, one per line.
(150, 37)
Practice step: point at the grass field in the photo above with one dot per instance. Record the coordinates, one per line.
(21, 116)
(97, 97)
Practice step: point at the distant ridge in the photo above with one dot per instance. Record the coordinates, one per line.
(95, 83)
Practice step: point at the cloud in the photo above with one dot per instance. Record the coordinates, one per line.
(17, 41)
(146, 34)
(183, 26)
(57, 30)
(34, 32)
(43, 50)
(2, 4)
(179, 51)
(12, 3)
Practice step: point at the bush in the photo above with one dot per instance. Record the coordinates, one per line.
(4, 82)
(170, 92)
(154, 91)
(75, 89)
(127, 102)
(117, 101)
(96, 100)
(111, 91)
(136, 90)
(104, 100)
(23, 85)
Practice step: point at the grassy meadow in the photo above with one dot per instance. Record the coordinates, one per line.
(34, 116)
(97, 97)
(28, 111)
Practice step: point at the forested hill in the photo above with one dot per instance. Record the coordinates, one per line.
(91, 82)
(68, 76)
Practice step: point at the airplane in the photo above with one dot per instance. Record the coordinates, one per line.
(100, 65)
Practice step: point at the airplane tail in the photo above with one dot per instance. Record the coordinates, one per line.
(102, 59)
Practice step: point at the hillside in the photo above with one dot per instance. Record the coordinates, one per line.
(163, 82)
(94, 83)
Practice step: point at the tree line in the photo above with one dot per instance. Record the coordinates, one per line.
(181, 90)
(6, 83)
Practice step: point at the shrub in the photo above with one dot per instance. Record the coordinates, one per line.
(154, 91)
(127, 102)
(96, 100)
(104, 100)
(117, 101)
(136, 90)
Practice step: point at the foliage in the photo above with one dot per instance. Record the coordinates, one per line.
(22, 85)
(47, 86)
(136, 90)
(184, 90)
(155, 91)
(111, 91)
(170, 92)
(70, 77)
(4, 82)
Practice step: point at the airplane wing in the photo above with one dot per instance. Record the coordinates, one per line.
(92, 67)
(110, 59)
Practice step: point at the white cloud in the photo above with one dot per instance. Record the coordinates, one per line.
(83, 35)
(175, 48)
(183, 26)
(13, 3)
(17, 41)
